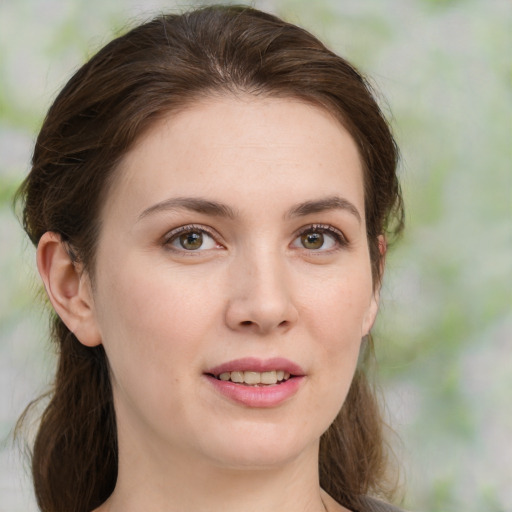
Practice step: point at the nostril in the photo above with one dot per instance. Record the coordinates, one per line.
(246, 322)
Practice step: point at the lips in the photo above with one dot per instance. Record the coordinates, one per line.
(255, 382)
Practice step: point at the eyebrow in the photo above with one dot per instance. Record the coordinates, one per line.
(214, 208)
(321, 205)
(195, 204)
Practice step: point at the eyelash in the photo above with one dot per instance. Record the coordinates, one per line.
(339, 238)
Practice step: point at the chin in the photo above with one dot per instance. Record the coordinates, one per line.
(261, 448)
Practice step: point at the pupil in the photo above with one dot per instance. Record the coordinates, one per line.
(312, 240)
(191, 241)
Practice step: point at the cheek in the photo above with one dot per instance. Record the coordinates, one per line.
(337, 317)
(152, 334)
(338, 308)
(148, 296)
(149, 321)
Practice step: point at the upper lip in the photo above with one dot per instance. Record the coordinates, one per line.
(253, 364)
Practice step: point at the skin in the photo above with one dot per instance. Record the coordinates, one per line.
(165, 315)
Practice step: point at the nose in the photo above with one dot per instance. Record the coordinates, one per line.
(260, 298)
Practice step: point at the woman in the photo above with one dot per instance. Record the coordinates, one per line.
(211, 199)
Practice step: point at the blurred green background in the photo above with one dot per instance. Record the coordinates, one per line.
(444, 336)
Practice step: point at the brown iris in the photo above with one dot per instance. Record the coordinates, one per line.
(312, 240)
(191, 241)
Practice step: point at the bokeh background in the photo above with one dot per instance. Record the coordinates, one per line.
(444, 336)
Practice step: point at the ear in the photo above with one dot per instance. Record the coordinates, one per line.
(68, 288)
(373, 308)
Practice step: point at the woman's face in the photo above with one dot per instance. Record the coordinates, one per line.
(234, 241)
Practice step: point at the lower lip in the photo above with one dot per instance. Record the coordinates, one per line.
(257, 396)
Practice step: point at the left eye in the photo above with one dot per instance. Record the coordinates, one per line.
(316, 239)
(192, 240)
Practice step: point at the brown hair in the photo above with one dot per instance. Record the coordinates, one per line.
(154, 69)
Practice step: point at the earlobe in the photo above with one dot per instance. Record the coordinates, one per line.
(68, 289)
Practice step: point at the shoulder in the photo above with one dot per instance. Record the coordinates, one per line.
(374, 505)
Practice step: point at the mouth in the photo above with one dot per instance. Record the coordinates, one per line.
(253, 378)
(252, 371)
(256, 382)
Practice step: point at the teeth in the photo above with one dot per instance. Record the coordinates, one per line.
(255, 378)
(269, 377)
(237, 377)
(252, 378)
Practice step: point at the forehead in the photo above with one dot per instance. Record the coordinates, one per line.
(247, 146)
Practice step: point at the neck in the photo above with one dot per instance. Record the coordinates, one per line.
(190, 484)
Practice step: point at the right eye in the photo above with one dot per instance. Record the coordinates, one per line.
(189, 238)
